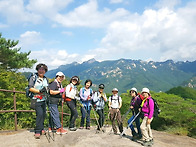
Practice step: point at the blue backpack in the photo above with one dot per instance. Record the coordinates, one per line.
(30, 94)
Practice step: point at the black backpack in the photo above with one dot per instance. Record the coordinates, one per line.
(156, 108)
(30, 94)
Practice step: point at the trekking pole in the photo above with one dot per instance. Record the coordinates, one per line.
(49, 136)
(129, 124)
(97, 119)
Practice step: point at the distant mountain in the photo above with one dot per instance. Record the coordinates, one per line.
(126, 73)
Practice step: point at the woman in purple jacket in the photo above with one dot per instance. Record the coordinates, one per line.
(148, 110)
(135, 106)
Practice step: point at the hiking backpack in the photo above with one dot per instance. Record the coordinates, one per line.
(30, 94)
(156, 108)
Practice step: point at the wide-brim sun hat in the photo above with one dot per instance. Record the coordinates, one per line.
(133, 89)
(59, 74)
(114, 89)
(145, 90)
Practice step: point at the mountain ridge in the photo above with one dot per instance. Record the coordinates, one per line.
(127, 73)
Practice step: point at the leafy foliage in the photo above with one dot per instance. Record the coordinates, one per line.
(10, 56)
(185, 92)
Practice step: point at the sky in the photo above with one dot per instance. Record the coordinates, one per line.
(59, 32)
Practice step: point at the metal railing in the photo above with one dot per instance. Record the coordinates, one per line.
(15, 109)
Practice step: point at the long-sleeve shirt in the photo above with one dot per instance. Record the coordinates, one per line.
(148, 107)
(136, 102)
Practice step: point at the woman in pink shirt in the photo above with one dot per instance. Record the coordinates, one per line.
(148, 110)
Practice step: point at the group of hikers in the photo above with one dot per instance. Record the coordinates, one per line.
(142, 106)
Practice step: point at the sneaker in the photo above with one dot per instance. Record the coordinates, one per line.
(73, 129)
(43, 132)
(88, 128)
(147, 143)
(61, 131)
(50, 130)
(37, 136)
(103, 130)
(152, 141)
(97, 131)
(81, 127)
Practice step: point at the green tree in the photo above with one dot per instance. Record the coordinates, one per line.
(10, 56)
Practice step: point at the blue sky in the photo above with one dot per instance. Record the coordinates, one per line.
(59, 32)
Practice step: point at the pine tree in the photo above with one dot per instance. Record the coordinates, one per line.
(10, 56)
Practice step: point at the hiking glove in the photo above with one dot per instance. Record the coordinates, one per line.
(43, 90)
(62, 90)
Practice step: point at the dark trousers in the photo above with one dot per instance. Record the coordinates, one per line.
(115, 115)
(40, 109)
(137, 122)
(74, 113)
(100, 112)
(54, 120)
(85, 114)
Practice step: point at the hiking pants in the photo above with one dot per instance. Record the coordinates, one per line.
(146, 129)
(114, 115)
(100, 112)
(74, 113)
(137, 122)
(84, 110)
(40, 109)
(54, 120)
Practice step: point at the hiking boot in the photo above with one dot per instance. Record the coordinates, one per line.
(43, 132)
(147, 143)
(61, 131)
(152, 141)
(37, 136)
(88, 128)
(97, 131)
(50, 130)
(73, 129)
(103, 130)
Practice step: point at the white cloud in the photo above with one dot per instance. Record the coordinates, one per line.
(53, 58)
(67, 33)
(157, 34)
(30, 39)
(116, 1)
(47, 8)
(87, 15)
(3, 25)
(15, 12)
(167, 3)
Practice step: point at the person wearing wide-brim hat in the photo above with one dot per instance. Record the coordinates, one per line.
(39, 86)
(115, 103)
(135, 106)
(148, 110)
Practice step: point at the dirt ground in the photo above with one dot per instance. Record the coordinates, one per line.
(83, 138)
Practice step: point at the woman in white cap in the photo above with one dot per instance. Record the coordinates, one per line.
(71, 91)
(148, 110)
(56, 90)
(135, 106)
(115, 103)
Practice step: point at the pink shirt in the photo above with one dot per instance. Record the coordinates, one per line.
(148, 107)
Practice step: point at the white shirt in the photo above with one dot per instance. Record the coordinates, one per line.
(115, 103)
(71, 91)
